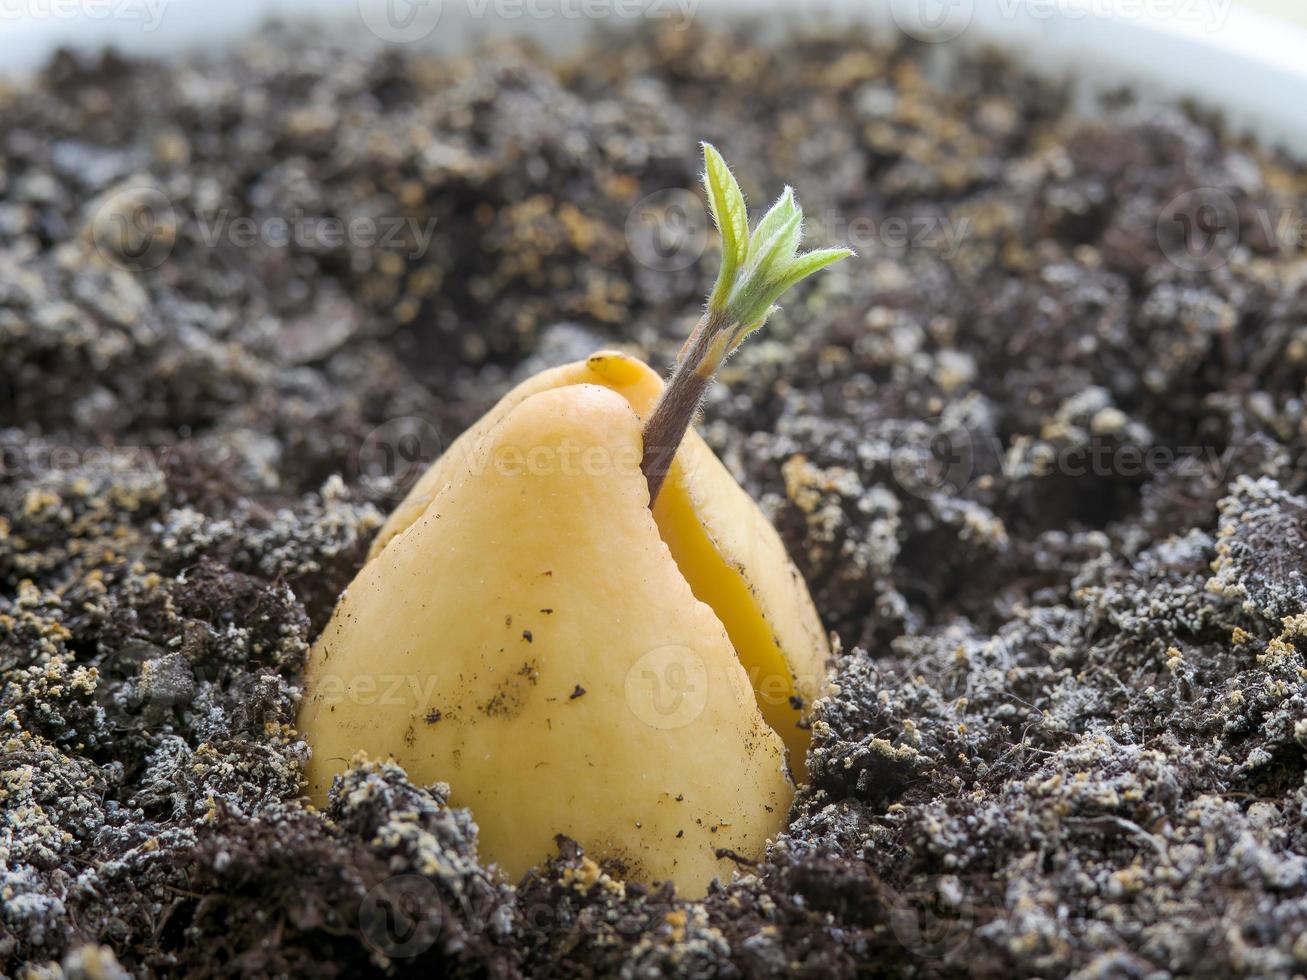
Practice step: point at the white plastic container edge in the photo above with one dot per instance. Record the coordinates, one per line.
(1251, 67)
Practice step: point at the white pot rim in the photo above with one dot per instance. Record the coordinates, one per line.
(1249, 66)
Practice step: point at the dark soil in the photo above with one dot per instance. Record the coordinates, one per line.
(1047, 487)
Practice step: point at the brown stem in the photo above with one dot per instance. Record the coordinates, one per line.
(680, 400)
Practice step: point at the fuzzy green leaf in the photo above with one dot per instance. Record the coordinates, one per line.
(777, 251)
(726, 203)
(773, 219)
(750, 300)
(804, 266)
(755, 295)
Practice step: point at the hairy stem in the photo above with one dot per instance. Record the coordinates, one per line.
(680, 400)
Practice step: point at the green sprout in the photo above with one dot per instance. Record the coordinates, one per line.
(756, 270)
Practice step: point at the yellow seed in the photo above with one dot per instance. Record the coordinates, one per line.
(567, 660)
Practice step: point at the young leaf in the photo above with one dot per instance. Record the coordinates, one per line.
(726, 203)
(804, 266)
(772, 220)
(775, 253)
